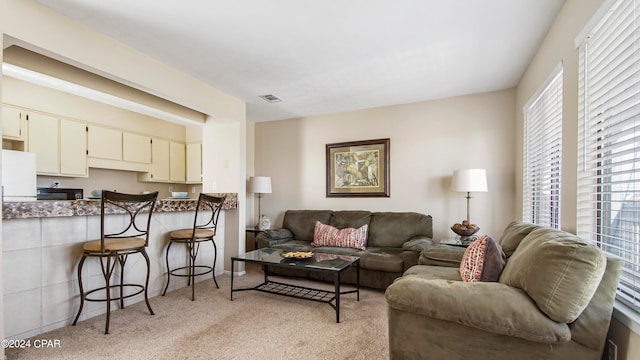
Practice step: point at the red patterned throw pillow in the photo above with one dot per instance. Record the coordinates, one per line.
(482, 261)
(327, 235)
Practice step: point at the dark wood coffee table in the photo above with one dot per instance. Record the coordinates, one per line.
(327, 263)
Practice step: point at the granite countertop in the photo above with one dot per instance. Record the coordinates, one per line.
(84, 207)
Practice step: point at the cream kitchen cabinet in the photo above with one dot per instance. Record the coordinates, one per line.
(73, 148)
(136, 148)
(13, 122)
(60, 145)
(177, 161)
(194, 163)
(105, 143)
(115, 149)
(167, 162)
(43, 140)
(160, 170)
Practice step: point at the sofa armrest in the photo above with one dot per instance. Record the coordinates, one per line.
(488, 306)
(442, 255)
(418, 243)
(271, 237)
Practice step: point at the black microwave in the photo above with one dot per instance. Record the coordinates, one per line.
(59, 194)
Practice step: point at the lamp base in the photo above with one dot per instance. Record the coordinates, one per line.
(264, 223)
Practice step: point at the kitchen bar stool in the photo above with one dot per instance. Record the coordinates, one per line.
(204, 229)
(118, 240)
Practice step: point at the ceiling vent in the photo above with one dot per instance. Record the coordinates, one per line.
(270, 98)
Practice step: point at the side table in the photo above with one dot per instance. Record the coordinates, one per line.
(453, 242)
(255, 232)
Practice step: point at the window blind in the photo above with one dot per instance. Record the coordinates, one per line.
(542, 161)
(609, 142)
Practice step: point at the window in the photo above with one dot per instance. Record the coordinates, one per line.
(543, 154)
(609, 142)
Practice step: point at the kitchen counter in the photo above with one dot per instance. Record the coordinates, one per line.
(84, 207)
(42, 243)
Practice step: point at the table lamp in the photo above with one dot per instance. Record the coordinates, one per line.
(468, 180)
(260, 185)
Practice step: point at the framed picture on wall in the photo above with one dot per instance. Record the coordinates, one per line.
(358, 169)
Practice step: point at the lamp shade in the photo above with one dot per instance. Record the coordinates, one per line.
(469, 180)
(260, 185)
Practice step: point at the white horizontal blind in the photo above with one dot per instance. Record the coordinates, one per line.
(543, 155)
(609, 142)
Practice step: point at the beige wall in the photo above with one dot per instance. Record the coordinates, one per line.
(428, 141)
(559, 47)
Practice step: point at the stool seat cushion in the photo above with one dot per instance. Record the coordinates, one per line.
(115, 244)
(187, 234)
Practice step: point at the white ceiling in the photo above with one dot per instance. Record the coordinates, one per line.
(325, 56)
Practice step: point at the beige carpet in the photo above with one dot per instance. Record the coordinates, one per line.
(254, 325)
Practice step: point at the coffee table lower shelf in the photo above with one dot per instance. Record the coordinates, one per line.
(301, 292)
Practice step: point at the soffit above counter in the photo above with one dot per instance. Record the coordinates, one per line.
(153, 105)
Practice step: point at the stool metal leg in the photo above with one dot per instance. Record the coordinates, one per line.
(146, 284)
(213, 269)
(81, 289)
(106, 273)
(168, 269)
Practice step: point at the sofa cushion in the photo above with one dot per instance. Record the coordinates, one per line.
(442, 255)
(482, 261)
(350, 219)
(558, 270)
(488, 306)
(302, 222)
(327, 235)
(294, 245)
(393, 229)
(430, 272)
(381, 259)
(513, 235)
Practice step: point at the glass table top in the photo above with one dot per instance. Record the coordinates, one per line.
(271, 256)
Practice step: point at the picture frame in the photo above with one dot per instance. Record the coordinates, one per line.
(358, 168)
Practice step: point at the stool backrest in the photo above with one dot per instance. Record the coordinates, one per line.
(138, 207)
(204, 219)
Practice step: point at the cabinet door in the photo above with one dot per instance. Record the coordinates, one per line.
(194, 163)
(43, 141)
(73, 148)
(105, 143)
(12, 123)
(136, 148)
(160, 160)
(177, 160)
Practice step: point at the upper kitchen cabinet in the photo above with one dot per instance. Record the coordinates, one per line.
(167, 162)
(160, 170)
(60, 145)
(43, 140)
(105, 143)
(118, 150)
(13, 122)
(177, 161)
(136, 148)
(73, 148)
(194, 163)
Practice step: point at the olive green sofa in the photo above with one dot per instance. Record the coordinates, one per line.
(553, 300)
(394, 242)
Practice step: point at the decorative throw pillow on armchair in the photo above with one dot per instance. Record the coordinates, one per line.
(482, 261)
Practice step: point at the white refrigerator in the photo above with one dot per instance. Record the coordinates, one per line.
(19, 180)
